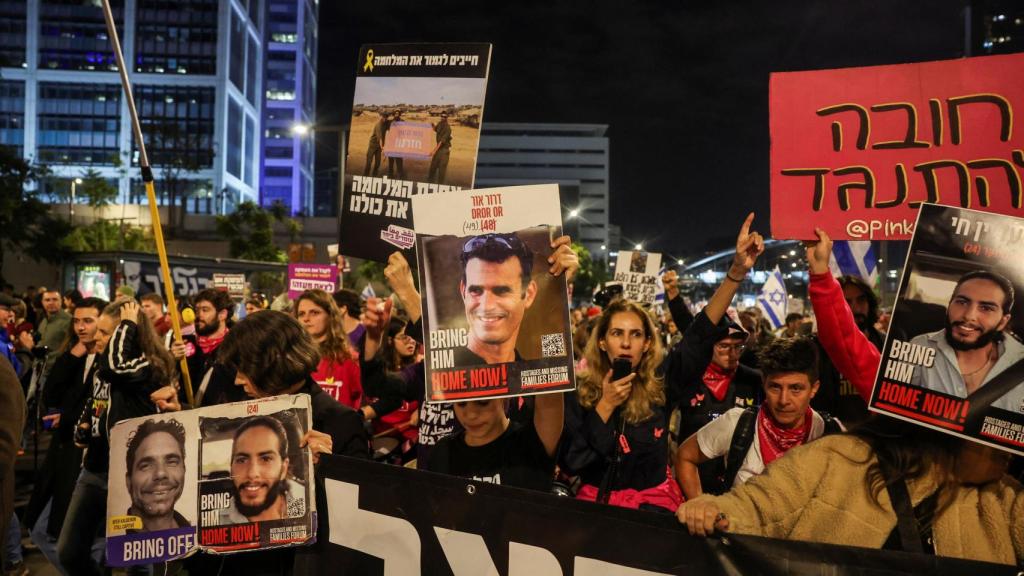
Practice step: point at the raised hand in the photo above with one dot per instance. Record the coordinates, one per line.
(818, 252)
(749, 245)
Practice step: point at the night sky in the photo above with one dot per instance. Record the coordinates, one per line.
(683, 86)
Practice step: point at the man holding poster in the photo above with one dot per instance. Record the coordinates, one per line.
(973, 348)
(496, 291)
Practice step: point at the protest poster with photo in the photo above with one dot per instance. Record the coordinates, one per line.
(856, 151)
(225, 478)
(638, 273)
(496, 321)
(953, 358)
(302, 277)
(415, 130)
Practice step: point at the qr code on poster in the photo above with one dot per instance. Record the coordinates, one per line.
(552, 345)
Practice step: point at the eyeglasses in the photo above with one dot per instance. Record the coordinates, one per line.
(730, 347)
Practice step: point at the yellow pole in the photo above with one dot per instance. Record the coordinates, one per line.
(147, 179)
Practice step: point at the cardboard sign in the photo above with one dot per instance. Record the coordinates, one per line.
(856, 151)
(181, 481)
(638, 273)
(233, 284)
(303, 277)
(495, 326)
(953, 359)
(415, 130)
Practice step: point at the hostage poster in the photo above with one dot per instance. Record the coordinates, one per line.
(496, 321)
(638, 273)
(953, 358)
(415, 130)
(856, 151)
(226, 478)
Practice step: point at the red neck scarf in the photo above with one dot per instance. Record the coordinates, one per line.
(775, 440)
(717, 379)
(209, 343)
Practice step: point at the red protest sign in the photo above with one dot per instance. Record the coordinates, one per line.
(855, 151)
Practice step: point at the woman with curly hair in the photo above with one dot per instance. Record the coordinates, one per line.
(338, 371)
(616, 431)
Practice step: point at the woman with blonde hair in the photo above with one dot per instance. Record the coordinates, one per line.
(338, 372)
(616, 430)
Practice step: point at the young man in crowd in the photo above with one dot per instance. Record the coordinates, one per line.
(350, 305)
(749, 439)
(64, 396)
(153, 307)
(212, 382)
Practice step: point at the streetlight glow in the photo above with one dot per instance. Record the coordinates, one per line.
(300, 129)
(78, 180)
(639, 246)
(574, 213)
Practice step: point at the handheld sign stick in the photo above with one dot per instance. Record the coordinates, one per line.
(147, 179)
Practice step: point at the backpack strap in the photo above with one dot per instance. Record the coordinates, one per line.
(742, 439)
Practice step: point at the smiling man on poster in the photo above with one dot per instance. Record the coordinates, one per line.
(155, 475)
(496, 290)
(974, 347)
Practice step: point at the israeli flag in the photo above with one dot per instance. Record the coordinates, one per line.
(773, 300)
(368, 292)
(659, 288)
(854, 258)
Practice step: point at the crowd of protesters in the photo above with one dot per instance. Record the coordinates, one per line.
(706, 413)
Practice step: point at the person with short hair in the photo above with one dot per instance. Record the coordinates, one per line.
(153, 307)
(789, 368)
(351, 307)
(67, 389)
(497, 289)
(155, 474)
(212, 381)
(438, 170)
(71, 299)
(791, 329)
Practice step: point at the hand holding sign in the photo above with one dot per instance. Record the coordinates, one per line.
(563, 259)
(702, 517)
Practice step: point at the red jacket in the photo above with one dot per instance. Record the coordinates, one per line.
(342, 382)
(848, 348)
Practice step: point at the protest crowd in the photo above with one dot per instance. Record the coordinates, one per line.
(201, 434)
(711, 416)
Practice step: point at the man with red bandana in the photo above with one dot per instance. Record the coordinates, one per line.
(785, 419)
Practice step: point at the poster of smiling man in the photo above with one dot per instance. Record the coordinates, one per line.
(953, 359)
(497, 321)
(226, 478)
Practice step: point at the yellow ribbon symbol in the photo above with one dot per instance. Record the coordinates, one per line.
(369, 61)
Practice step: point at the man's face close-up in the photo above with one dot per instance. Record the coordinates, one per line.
(157, 477)
(258, 470)
(974, 316)
(787, 395)
(85, 323)
(859, 304)
(152, 310)
(51, 302)
(495, 300)
(207, 318)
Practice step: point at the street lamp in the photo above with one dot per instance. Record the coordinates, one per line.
(71, 206)
(640, 247)
(574, 213)
(301, 129)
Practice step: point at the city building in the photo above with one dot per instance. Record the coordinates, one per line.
(196, 71)
(994, 27)
(289, 105)
(574, 156)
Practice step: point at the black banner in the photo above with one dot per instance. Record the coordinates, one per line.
(387, 520)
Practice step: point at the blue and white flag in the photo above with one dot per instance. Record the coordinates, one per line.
(773, 300)
(854, 258)
(368, 292)
(659, 290)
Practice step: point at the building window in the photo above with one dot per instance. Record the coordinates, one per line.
(78, 123)
(234, 150)
(236, 60)
(250, 150)
(176, 37)
(12, 33)
(252, 68)
(73, 35)
(12, 116)
(178, 125)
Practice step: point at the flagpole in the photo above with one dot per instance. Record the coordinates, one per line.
(147, 179)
